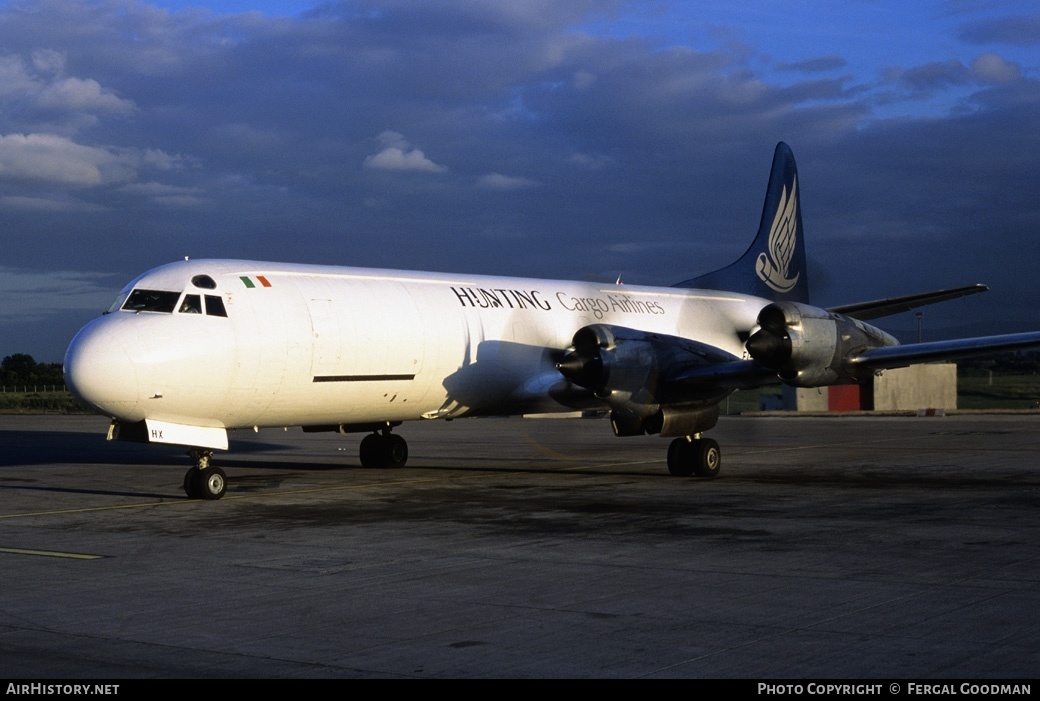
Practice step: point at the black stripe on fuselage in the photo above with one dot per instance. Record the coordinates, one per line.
(363, 378)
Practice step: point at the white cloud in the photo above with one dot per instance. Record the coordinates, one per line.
(38, 83)
(48, 61)
(155, 158)
(15, 82)
(992, 68)
(59, 160)
(506, 183)
(399, 156)
(154, 189)
(591, 161)
(56, 159)
(78, 95)
(394, 158)
(47, 204)
(168, 195)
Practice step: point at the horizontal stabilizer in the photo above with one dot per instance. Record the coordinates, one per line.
(895, 305)
(900, 356)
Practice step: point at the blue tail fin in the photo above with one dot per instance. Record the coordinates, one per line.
(774, 266)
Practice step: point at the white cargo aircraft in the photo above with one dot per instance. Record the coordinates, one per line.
(194, 348)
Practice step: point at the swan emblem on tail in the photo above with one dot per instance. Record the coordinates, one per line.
(773, 267)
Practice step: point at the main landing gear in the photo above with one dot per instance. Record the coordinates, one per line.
(693, 455)
(383, 449)
(204, 481)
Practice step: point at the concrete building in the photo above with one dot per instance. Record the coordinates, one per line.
(930, 386)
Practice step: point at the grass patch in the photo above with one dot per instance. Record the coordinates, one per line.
(746, 400)
(998, 391)
(40, 403)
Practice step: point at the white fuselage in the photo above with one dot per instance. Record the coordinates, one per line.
(321, 345)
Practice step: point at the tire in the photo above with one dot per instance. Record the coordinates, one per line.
(707, 458)
(371, 452)
(191, 483)
(396, 451)
(379, 450)
(680, 457)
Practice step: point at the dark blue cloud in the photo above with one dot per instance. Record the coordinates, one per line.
(1016, 30)
(819, 64)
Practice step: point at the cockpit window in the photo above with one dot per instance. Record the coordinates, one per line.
(118, 303)
(151, 301)
(204, 282)
(166, 302)
(192, 304)
(215, 306)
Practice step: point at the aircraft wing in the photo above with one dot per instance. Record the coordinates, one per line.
(901, 356)
(894, 305)
(747, 374)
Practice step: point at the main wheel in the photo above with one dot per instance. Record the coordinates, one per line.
(383, 450)
(707, 458)
(371, 451)
(396, 451)
(680, 457)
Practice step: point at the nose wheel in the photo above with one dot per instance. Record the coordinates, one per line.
(204, 481)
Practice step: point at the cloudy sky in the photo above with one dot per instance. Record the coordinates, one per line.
(552, 138)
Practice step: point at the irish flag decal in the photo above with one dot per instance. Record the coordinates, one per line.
(254, 281)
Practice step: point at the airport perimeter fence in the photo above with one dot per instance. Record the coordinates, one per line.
(31, 389)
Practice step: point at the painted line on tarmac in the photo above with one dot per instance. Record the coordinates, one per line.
(52, 553)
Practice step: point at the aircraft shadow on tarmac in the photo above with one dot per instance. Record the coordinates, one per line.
(28, 448)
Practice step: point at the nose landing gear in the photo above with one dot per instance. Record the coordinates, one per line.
(204, 481)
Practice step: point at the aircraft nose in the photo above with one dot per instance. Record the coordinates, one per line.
(99, 369)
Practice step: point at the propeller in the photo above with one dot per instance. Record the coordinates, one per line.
(584, 364)
(582, 370)
(771, 344)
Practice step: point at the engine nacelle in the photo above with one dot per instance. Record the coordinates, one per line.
(810, 347)
(612, 361)
(629, 369)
